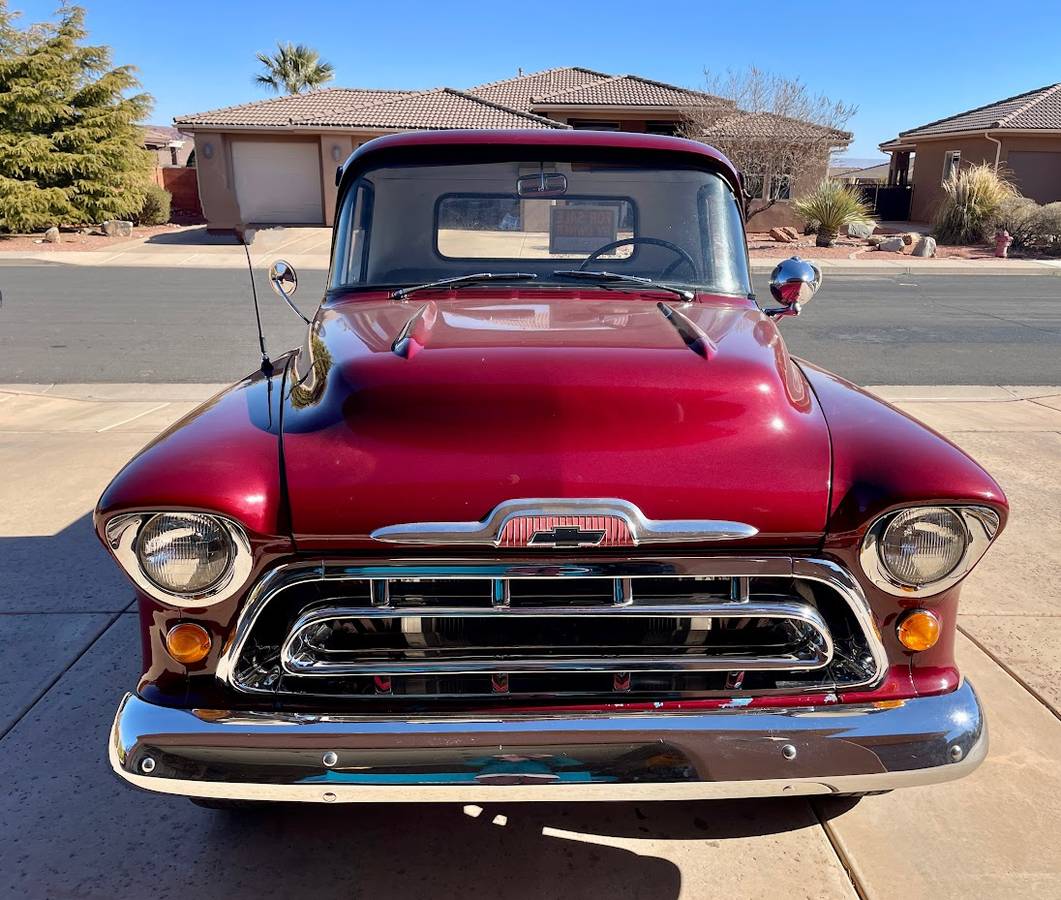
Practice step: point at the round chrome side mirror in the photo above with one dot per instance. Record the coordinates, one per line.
(284, 281)
(283, 278)
(792, 283)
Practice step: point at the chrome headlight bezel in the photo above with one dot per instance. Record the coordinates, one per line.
(123, 532)
(980, 523)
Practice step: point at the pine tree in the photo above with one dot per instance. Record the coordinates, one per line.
(70, 148)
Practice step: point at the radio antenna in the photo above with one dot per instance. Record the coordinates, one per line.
(267, 366)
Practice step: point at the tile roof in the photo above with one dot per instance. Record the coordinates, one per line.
(769, 125)
(518, 92)
(291, 110)
(354, 108)
(161, 135)
(627, 90)
(1040, 108)
(441, 108)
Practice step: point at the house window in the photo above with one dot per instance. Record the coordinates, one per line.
(669, 128)
(780, 187)
(593, 125)
(753, 184)
(951, 160)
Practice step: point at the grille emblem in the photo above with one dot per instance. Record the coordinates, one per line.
(567, 536)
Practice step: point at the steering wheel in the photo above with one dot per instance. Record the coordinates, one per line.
(683, 257)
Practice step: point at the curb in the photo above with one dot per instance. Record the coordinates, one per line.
(311, 262)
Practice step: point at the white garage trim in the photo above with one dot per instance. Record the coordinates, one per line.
(278, 182)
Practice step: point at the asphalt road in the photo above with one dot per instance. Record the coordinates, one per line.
(80, 324)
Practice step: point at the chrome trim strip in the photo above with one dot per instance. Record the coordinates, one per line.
(488, 531)
(658, 755)
(294, 662)
(981, 525)
(122, 532)
(288, 575)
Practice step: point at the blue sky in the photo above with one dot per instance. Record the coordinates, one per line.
(902, 64)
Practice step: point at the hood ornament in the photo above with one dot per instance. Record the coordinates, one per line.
(565, 524)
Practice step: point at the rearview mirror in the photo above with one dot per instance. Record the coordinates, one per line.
(284, 281)
(792, 283)
(544, 184)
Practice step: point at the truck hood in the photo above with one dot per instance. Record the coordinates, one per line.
(441, 408)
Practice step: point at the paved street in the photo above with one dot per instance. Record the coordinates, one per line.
(69, 829)
(63, 323)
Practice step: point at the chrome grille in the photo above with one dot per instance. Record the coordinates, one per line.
(464, 628)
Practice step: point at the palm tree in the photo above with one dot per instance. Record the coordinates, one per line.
(294, 68)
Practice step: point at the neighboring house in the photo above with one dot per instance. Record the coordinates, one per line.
(272, 162)
(870, 175)
(170, 146)
(1020, 136)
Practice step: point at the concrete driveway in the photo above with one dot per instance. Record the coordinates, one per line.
(69, 829)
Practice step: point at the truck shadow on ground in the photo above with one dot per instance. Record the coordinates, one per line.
(500, 850)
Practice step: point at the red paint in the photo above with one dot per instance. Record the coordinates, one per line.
(883, 459)
(554, 393)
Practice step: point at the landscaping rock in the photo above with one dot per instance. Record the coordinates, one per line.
(860, 230)
(117, 228)
(910, 238)
(925, 247)
(779, 234)
(874, 239)
(791, 232)
(892, 245)
(52, 236)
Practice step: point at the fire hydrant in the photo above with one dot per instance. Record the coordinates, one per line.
(1002, 241)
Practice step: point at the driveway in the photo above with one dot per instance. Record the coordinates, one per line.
(69, 829)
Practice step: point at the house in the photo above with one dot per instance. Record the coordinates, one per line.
(1019, 135)
(170, 146)
(240, 150)
(869, 175)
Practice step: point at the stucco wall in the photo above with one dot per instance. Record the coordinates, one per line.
(928, 172)
(217, 189)
(217, 192)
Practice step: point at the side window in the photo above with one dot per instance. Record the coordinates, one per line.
(351, 236)
(722, 237)
(753, 184)
(951, 161)
(780, 186)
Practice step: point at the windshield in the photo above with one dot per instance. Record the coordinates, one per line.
(407, 225)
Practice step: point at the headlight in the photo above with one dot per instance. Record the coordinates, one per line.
(924, 550)
(184, 559)
(920, 546)
(184, 553)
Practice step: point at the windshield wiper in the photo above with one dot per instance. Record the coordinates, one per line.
(612, 277)
(461, 280)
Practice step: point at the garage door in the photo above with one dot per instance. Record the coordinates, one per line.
(278, 182)
(1037, 173)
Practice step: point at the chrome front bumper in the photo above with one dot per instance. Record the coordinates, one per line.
(719, 753)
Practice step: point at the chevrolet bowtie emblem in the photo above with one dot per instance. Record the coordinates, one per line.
(566, 536)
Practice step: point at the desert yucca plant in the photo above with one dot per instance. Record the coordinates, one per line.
(972, 200)
(833, 205)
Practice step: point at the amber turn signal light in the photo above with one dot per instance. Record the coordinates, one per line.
(188, 642)
(919, 629)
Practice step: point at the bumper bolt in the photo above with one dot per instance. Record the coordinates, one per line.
(147, 765)
(956, 753)
(330, 758)
(788, 751)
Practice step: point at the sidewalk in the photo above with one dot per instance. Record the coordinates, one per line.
(309, 248)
